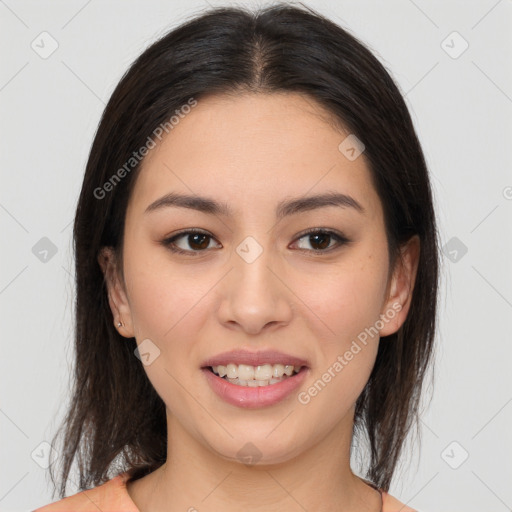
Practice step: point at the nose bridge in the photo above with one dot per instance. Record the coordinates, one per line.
(254, 295)
(252, 262)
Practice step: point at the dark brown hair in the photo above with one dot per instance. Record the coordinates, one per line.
(116, 421)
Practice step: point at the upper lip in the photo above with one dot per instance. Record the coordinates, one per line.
(242, 356)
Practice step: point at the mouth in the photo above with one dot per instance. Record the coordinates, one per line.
(255, 376)
(249, 379)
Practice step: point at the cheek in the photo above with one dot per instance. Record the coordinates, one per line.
(163, 306)
(341, 319)
(162, 296)
(342, 302)
(170, 310)
(342, 310)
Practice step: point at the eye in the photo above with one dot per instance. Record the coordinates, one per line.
(199, 241)
(194, 238)
(320, 239)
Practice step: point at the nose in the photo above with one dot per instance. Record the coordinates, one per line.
(255, 294)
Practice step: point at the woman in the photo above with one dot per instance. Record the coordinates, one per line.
(257, 265)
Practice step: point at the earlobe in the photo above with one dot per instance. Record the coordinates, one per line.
(117, 298)
(401, 287)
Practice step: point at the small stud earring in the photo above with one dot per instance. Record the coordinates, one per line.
(119, 324)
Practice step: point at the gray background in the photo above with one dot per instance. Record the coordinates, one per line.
(461, 104)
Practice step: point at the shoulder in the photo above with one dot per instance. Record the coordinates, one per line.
(108, 497)
(391, 504)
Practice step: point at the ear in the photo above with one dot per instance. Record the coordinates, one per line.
(117, 297)
(400, 287)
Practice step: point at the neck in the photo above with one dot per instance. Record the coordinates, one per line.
(197, 478)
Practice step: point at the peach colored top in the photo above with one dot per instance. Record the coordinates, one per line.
(112, 496)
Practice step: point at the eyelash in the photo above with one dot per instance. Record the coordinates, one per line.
(340, 238)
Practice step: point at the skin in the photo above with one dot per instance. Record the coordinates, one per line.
(252, 151)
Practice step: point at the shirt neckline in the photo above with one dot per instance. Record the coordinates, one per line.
(122, 479)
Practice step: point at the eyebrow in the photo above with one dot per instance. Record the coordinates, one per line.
(283, 209)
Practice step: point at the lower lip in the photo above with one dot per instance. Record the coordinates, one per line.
(261, 396)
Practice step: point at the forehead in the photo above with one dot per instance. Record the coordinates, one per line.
(254, 149)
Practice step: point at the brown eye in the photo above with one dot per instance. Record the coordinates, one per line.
(196, 241)
(320, 240)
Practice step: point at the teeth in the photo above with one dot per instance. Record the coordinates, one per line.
(255, 374)
(256, 383)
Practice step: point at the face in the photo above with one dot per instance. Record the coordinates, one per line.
(255, 280)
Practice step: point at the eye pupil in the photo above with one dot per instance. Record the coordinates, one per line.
(201, 237)
(322, 238)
